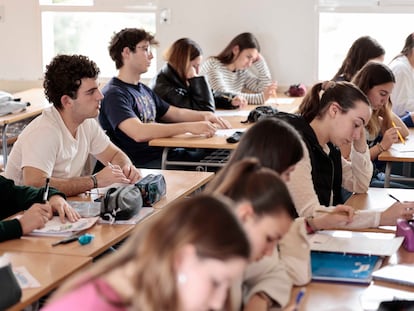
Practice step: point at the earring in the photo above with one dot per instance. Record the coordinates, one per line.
(181, 278)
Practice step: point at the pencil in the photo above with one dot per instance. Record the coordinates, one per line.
(398, 132)
(335, 212)
(46, 190)
(227, 97)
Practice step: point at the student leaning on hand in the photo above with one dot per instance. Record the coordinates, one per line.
(29, 199)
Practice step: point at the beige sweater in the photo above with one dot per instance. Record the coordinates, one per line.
(275, 275)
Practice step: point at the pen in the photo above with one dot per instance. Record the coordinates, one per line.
(46, 190)
(398, 132)
(67, 240)
(110, 165)
(299, 298)
(393, 197)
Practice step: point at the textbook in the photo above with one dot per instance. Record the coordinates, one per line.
(340, 267)
(400, 274)
(55, 227)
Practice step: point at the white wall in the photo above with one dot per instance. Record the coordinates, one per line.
(286, 29)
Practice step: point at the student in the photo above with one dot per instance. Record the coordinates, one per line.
(362, 50)
(268, 281)
(185, 259)
(29, 199)
(377, 81)
(179, 82)
(131, 112)
(57, 143)
(316, 182)
(229, 70)
(403, 95)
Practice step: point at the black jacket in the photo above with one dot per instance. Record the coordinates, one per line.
(196, 96)
(326, 169)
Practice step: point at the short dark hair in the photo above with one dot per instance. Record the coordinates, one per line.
(64, 76)
(127, 37)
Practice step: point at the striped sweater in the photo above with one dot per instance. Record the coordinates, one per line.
(222, 79)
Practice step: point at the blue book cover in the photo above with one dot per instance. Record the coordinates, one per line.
(341, 267)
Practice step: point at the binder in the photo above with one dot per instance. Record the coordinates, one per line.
(343, 267)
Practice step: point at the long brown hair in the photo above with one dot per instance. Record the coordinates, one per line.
(181, 53)
(261, 186)
(408, 46)
(203, 221)
(373, 74)
(244, 41)
(362, 50)
(322, 95)
(273, 141)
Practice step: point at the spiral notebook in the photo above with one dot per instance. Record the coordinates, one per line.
(342, 267)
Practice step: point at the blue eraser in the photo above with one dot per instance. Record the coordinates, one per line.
(85, 238)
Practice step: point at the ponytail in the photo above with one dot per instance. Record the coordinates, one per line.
(320, 97)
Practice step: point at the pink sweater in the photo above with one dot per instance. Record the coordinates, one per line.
(88, 297)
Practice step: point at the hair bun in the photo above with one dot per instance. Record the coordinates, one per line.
(328, 85)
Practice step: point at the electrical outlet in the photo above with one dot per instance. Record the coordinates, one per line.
(1, 13)
(165, 16)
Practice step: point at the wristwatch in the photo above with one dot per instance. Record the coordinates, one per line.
(269, 301)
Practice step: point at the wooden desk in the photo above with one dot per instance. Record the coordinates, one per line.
(37, 101)
(49, 270)
(215, 142)
(179, 185)
(328, 296)
(399, 153)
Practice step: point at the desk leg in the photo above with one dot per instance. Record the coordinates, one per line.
(164, 158)
(387, 175)
(4, 144)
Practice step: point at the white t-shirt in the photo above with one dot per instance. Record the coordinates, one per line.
(47, 145)
(402, 96)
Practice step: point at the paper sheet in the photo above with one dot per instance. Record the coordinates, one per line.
(143, 213)
(229, 132)
(382, 244)
(24, 278)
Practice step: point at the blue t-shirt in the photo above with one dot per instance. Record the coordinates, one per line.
(124, 101)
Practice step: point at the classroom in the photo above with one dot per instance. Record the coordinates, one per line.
(335, 230)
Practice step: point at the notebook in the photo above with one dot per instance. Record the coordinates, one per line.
(343, 267)
(400, 274)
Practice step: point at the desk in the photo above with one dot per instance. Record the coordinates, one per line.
(49, 270)
(326, 296)
(37, 101)
(399, 153)
(215, 142)
(179, 185)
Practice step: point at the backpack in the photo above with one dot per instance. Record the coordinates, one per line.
(259, 113)
(9, 105)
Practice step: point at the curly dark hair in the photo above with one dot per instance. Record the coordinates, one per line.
(64, 76)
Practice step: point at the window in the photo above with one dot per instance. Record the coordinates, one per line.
(68, 28)
(342, 22)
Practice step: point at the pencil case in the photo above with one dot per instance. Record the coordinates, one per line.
(405, 228)
(152, 187)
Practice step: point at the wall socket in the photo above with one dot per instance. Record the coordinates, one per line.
(165, 16)
(1, 13)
